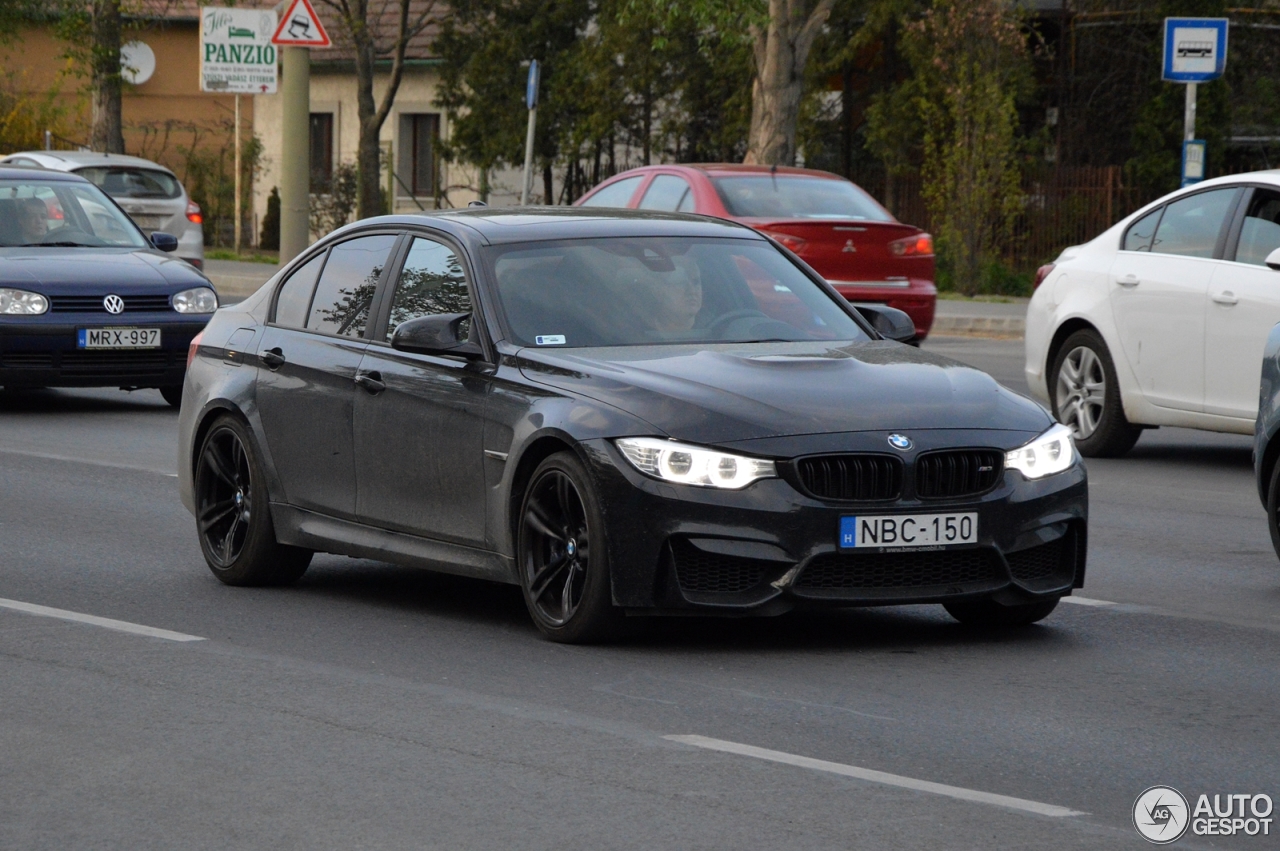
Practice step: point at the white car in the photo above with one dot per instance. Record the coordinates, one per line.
(1162, 319)
(151, 194)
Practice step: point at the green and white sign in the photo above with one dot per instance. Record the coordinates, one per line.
(236, 53)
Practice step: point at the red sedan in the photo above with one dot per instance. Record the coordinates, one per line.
(831, 223)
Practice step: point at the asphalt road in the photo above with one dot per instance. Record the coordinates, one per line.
(377, 707)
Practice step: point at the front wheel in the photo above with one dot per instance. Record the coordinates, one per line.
(563, 558)
(233, 517)
(1086, 397)
(989, 613)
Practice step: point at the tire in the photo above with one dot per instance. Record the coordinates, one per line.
(562, 555)
(1086, 397)
(990, 614)
(233, 515)
(172, 395)
(1273, 508)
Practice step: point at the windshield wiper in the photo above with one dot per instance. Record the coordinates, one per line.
(62, 243)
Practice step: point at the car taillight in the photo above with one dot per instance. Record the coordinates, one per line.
(1042, 273)
(912, 246)
(794, 243)
(191, 349)
(193, 213)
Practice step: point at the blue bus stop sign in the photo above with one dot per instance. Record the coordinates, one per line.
(1195, 49)
(531, 88)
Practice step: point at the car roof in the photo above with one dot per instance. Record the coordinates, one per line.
(504, 225)
(71, 160)
(734, 169)
(19, 172)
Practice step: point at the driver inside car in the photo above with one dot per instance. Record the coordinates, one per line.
(677, 296)
(33, 219)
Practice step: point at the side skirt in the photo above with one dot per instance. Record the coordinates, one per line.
(301, 528)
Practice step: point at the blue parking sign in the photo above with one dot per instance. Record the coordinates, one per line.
(1195, 49)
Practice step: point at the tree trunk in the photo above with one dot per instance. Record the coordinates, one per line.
(781, 52)
(548, 186)
(107, 134)
(368, 202)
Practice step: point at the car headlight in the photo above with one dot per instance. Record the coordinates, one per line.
(197, 300)
(1051, 452)
(22, 303)
(693, 465)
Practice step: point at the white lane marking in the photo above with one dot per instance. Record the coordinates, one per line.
(1086, 601)
(878, 776)
(50, 456)
(94, 620)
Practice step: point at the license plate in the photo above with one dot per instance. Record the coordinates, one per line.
(908, 530)
(118, 338)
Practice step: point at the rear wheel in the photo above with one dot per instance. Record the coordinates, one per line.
(1086, 397)
(233, 517)
(172, 395)
(989, 613)
(563, 561)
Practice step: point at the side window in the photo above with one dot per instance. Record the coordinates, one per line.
(1260, 233)
(1190, 226)
(294, 300)
(669, 193)
(615, 194)
(347, 285)
(1139, 235)
(432, 282)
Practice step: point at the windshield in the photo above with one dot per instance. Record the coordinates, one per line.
(121, 182)
(641, 291)
(778, 196)
(59, 213)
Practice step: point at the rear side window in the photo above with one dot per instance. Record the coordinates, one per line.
(615, 194)
(668, 193)
(1190, 226)
(294, 300)
(347, 285)
(120, 182)
(1139, 235)
(1260, 233)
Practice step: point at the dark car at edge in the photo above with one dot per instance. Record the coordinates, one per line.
(594, 405)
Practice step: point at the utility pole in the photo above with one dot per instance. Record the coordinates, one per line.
(295, 154)
(239, 212)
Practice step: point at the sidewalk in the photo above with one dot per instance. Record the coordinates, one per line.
(965, 318)
(236, 281)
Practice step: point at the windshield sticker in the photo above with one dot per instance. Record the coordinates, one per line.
(549, 339)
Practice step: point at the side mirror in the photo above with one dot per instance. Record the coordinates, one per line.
(889, 322)
(439, 334)
(1273, 260)
(164, 241)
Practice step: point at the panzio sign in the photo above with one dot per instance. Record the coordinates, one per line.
(236, 53)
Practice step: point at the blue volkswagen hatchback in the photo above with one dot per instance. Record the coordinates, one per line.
(87, 299)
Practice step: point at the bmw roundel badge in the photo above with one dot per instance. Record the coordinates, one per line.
(900, 441)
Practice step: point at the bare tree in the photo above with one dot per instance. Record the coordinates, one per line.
(362, 23)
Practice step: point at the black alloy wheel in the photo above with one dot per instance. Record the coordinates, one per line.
(232, 514)
(562, 558)
(992, 615)
(1086, 397)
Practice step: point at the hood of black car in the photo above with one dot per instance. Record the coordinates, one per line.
(65, 271)
(727, 393)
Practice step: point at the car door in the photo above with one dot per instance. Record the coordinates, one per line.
(308, 358)
(1243, 306)
(419, 423)
(1159, 281)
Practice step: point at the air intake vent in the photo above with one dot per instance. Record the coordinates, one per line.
(851, 477)
(848, 572)
(955, 473)
(701, 572)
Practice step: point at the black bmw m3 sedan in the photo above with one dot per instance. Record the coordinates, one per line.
(623, 413)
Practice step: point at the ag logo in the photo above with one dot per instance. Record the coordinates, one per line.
(114, 304)
(1160, 815)
(900, 441)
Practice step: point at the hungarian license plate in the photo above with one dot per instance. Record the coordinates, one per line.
(118, 338)
(908, 530)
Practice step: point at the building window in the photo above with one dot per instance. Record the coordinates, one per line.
(417, 166)
(321, 151)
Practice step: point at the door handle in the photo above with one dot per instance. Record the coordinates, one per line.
(273, 358)
(1226, 297)
(1129, 280)
(371, 381)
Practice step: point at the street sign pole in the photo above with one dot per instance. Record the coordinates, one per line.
(295, 160)
(1195, 51)
(531, 101)
(1189, 116)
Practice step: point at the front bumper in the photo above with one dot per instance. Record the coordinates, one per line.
(769, 548)
(41, 351)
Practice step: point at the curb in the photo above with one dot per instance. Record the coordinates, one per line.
(979, 326)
